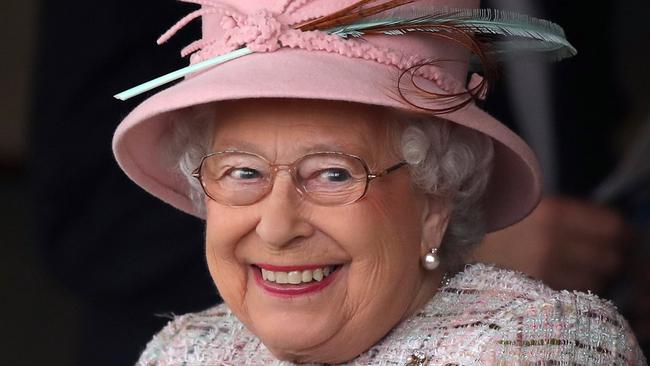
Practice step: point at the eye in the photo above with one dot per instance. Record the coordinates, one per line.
(335, 175)
(243, 173)
(330, 173)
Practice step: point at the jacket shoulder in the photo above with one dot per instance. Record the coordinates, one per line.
(538, 325)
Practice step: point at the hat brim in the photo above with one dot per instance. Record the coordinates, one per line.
(514, 189)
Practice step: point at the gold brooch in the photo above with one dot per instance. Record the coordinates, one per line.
(418, 358)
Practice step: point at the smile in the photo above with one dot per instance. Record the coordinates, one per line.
(294, 281)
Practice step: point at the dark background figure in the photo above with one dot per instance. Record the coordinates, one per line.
(92, 261)
(570, 127)
(589, 121)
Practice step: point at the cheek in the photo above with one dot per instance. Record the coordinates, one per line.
(391, 225)
(383, 240)
(225, 228)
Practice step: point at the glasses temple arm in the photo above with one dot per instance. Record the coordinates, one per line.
(386, 171)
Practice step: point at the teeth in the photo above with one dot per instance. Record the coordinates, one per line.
(306, 276)
(281, 277)
(297, 277)
(318, 274)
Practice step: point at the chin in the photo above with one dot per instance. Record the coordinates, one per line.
(321, 354)
(298, 328)
(321, 333)
(297, 333)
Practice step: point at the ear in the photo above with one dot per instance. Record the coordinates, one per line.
(435, 219)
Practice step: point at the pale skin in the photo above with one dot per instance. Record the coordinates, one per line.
(378, 240)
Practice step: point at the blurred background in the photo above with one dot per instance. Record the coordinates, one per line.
(91, 264)
(39, 313)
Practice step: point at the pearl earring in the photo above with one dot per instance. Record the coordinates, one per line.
(431, 261)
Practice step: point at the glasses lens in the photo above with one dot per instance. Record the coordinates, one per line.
(235, 178)
(331, 178)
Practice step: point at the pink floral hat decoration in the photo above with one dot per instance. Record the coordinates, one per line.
(405, 54)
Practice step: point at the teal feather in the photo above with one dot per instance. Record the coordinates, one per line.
(507, 32)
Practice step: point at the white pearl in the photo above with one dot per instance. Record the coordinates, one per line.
(430, 262)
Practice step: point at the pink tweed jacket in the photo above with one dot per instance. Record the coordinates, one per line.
(483, 316)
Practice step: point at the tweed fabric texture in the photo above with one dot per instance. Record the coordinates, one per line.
(482, 316)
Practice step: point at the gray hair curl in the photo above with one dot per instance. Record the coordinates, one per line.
(446, 160)
(453, 163)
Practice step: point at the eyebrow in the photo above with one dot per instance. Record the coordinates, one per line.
(246, 146)
(237, 145)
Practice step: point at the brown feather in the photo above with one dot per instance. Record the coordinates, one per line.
(450, 102)
(351, 14)
(314, 24)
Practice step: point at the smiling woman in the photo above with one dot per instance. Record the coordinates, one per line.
(366, 243)
(338, 212)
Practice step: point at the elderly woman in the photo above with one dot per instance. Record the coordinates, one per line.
(343, 170)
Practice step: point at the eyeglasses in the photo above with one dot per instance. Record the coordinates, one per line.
(236, 178)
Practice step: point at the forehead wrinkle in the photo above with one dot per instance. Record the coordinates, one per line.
(247, 145)
(298, 150)
(289, 135)
(314, 142)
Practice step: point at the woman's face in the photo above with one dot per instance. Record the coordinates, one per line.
(373, 247)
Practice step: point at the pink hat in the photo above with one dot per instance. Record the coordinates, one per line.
(277, 49)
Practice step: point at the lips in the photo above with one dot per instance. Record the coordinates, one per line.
(294, 280)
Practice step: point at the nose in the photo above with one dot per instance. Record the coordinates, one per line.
(282, 218)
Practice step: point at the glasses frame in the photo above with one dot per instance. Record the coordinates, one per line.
(292, 169)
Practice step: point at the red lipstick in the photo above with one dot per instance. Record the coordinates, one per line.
(289, 290)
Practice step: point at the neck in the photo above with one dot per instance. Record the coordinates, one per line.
(431, 283)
